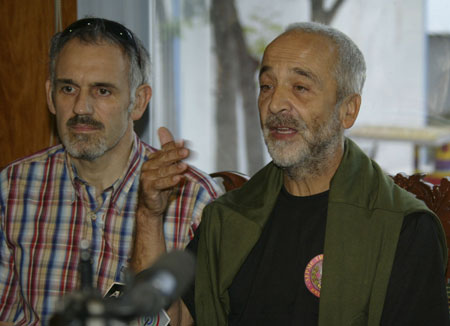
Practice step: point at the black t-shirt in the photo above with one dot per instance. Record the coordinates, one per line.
(269, 289)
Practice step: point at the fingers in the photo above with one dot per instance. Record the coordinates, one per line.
(171, 151)
(169, 180)
(166, 139)
(168, 155)
(164, 168)
(164, 176)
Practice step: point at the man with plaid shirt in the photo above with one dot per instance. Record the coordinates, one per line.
(103, 184)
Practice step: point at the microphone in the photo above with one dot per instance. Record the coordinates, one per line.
(150, 291)
(154, 288)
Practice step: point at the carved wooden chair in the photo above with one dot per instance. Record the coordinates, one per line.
(436, 197)
(230, 179)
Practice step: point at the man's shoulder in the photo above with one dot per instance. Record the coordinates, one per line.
(195, 175)
(261, 190)
(27, 174)
(55, 153)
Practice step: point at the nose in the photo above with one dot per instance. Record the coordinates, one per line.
(82, 104)
(279, 101)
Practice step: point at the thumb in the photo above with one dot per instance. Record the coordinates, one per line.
(165, 136)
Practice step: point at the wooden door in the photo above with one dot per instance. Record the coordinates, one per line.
(26, 125)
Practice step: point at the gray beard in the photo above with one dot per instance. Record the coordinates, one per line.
(310, 155)
(85, 147)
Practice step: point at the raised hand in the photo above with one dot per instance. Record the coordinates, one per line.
(163, 170)
(159, 175)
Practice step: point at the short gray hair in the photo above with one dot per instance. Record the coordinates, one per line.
(350, 69)
(93, 30)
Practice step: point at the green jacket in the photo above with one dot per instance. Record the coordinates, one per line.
(365, 215)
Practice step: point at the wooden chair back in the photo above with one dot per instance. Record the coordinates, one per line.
(436, 197)
(230, 179)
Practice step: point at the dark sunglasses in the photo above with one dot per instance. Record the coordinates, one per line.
(110, 26)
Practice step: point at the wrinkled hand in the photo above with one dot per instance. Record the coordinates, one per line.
(163, 170)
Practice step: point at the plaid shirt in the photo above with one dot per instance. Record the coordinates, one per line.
(46, 210)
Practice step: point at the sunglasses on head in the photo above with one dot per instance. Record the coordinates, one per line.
(118, 30)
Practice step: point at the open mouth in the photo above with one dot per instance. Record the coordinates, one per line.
(283, 130)
(282, 133)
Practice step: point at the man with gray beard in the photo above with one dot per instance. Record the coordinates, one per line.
(320, 236)
(102, 185)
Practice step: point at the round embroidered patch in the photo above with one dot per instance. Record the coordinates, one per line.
(313, 275)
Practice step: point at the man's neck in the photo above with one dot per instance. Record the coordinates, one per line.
(106, 169)
(314, 183)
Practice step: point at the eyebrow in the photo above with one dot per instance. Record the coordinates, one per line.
(263, 70)
(96, 84)
(104, 84)
(65, 81)
(308, 74)
(296, 70)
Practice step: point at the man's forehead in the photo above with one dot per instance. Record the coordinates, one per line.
(97, 63)
(294, 41)
(299, 49)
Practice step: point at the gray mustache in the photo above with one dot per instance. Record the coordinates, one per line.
(84, 120)
(285, 121)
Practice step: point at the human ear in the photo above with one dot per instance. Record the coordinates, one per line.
(48, 91)
(143, 96)
(349, 110)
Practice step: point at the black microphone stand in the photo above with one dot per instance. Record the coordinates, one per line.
(84, 307)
